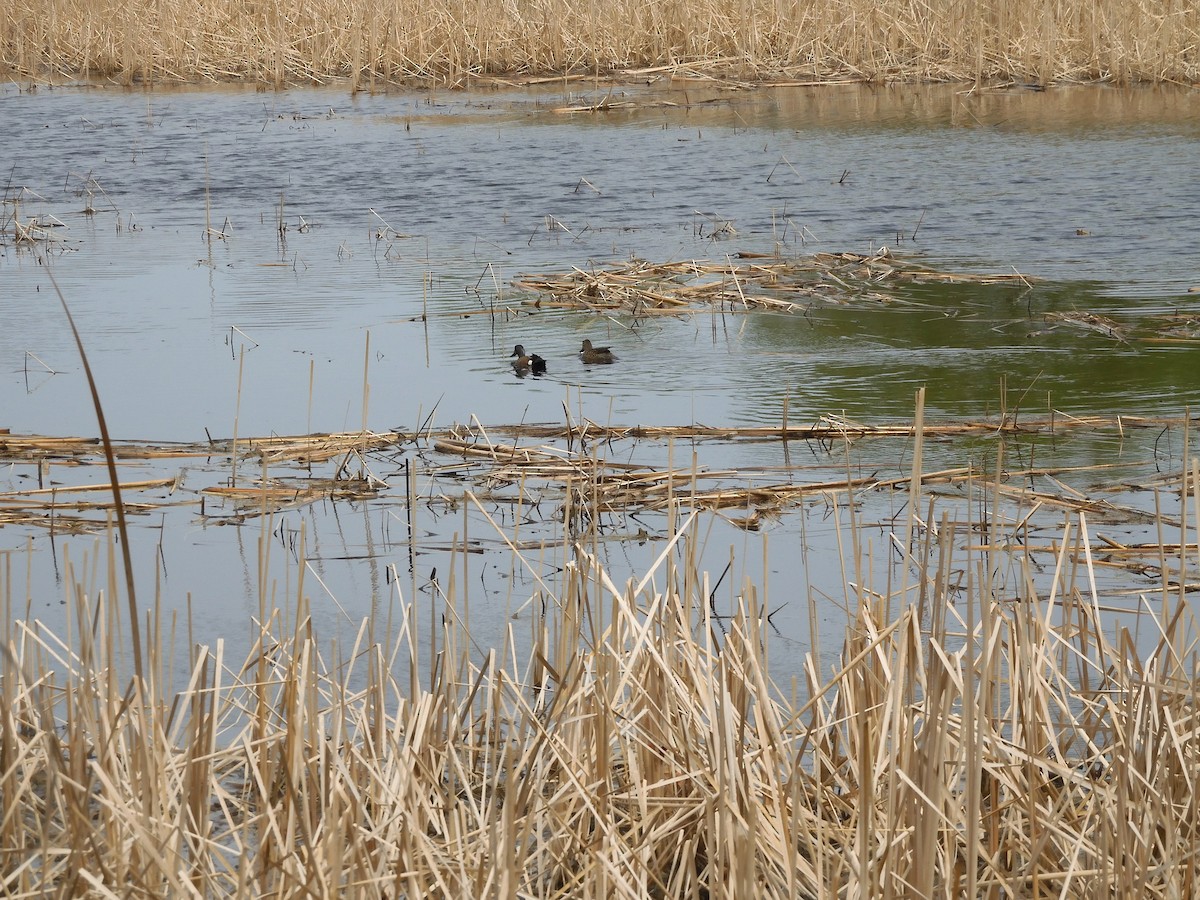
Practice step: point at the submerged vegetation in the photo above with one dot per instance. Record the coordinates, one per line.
(983, 730)
(289, 41)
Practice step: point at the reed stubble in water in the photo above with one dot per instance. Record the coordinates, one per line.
(965, 742)
(290, 41)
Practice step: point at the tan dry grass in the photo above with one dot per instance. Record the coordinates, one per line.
(287, 41)
(961, 745)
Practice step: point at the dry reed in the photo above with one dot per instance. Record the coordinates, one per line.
(758, 282)
(289, 41)
(296, 471)
(990, 741)
(299, 470)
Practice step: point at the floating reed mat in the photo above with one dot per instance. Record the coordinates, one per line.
(309, 449)
(253, 476)
(959, 743)
(757, 282)
(268, 474)
(604, 477)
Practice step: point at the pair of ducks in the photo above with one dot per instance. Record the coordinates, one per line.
(531, 362)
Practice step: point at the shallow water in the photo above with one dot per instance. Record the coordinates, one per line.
(407, 214)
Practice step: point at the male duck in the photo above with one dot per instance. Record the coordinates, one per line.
(527, 362)
(596, 355)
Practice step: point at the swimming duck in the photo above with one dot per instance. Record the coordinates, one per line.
(530, 362)
(596, 355)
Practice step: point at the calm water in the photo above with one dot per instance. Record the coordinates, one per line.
(411, 204)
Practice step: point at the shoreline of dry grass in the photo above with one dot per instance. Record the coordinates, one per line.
(286, 42)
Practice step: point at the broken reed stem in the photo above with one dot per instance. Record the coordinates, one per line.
(312, 375)
(118, 503)
(237, 414)
(914, 488)
(366, 390)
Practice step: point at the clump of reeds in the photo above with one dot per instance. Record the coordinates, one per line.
(284, 41)
(975, 736)
(757, 281)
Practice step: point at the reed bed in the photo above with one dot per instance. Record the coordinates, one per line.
(797, 285)
(758, 282)
(974, 737)
(289, 41)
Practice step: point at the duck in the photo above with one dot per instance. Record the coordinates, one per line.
(527, 362)
(596, 355)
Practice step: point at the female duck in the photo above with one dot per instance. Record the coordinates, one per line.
(596, 355)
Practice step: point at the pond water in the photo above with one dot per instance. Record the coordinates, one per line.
(386, 299)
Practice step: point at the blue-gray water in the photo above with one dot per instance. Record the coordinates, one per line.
(408, 214)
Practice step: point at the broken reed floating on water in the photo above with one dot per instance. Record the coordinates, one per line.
(309, 449)
(963, 743)
(764, 282)
(759, 281)
(289, 41)
(287, 475)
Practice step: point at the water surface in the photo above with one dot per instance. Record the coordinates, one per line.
(312, 260)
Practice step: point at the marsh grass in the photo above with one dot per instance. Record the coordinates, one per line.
(287, 41)
(975, 735)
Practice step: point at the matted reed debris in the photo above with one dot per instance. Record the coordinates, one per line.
(757, 281)
(226, 481)
(587, 474)
(1093, 322)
